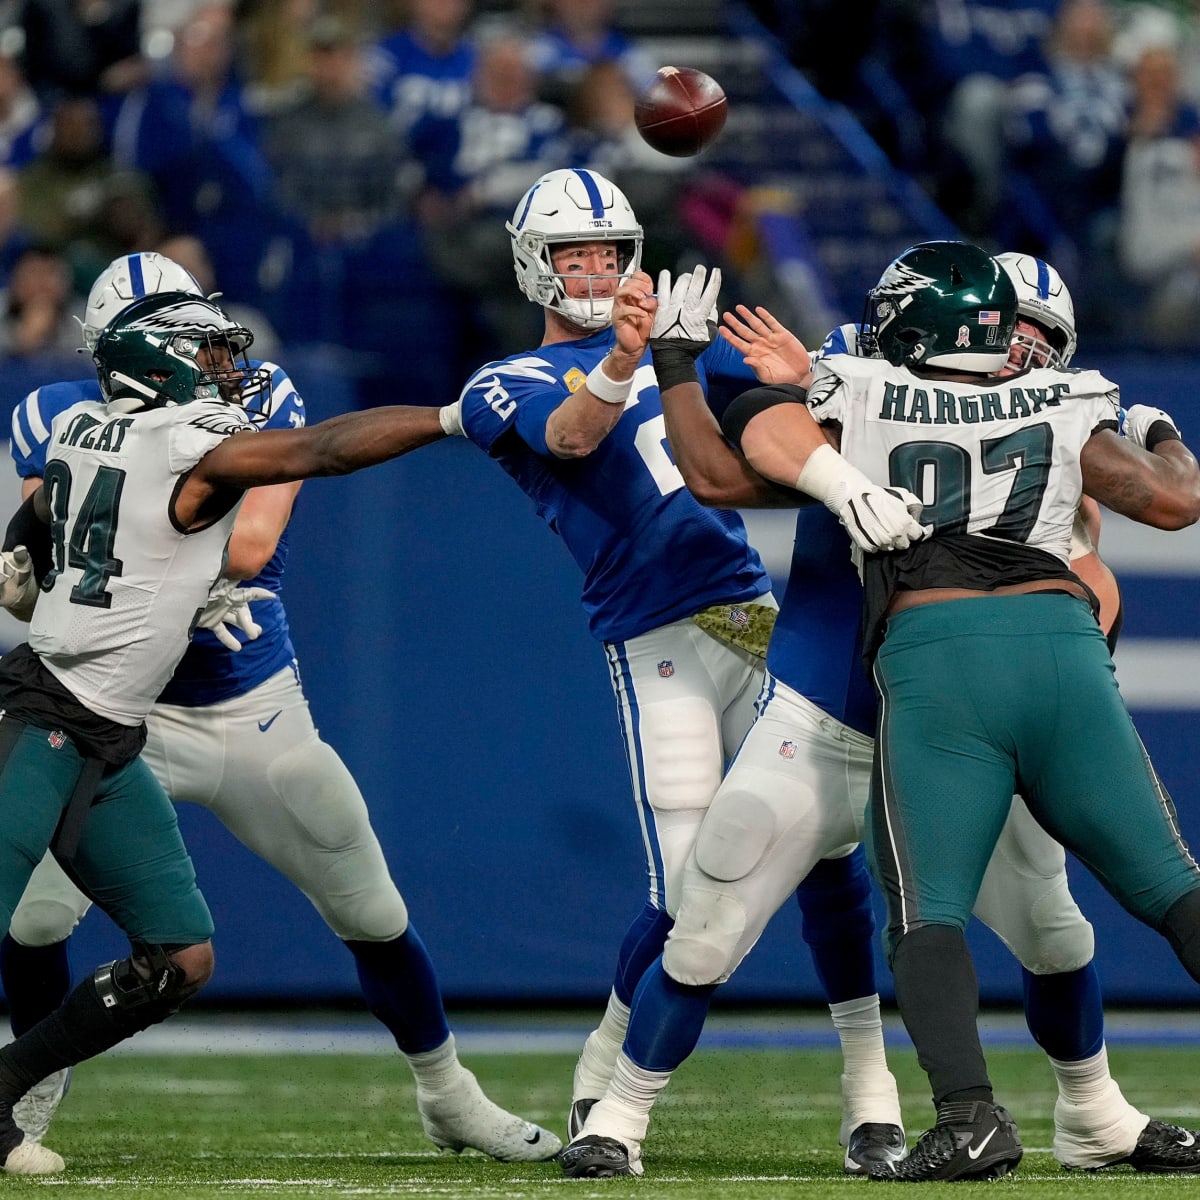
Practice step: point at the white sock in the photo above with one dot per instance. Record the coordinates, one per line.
(1093, 1122)
(624, 1111)
(868, 1088)
(436, 1070)
(595, 1066)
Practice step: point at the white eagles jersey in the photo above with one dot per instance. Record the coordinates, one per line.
(999, 457)
(117, 609)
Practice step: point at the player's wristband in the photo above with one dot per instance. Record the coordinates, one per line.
(1161, 431)
(828, 477)
(611, 391)
(673, 364)
(450, 419)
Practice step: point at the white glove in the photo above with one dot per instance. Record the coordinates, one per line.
(687, 310)
(451, 418)
(18, 588)
(876, 518)
(229, 605)
(1138, 420)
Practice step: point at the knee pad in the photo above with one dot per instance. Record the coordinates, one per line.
(44, 922)
(703, 947)
(735, 836)
(143, 989)
(1051, 936)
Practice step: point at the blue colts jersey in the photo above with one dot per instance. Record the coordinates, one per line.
(208, 672)
(816, 646)
(650, 553)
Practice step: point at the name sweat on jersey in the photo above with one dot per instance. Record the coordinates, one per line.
(649, 551)
(208, 672)
(116, 611)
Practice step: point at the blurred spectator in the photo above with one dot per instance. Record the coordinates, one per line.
(579, 34)
(85, 47)
(1067, 124)
(20, 114)
(335, 158)
(504, 140)
(14, 237)
(62, 189)
(1160, 203)
(38, 307)
(422, 73)
(190, 253)
(192, 131)
(954, 61)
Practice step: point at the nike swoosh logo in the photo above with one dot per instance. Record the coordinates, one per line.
(537, 1137)
(976, 1151)
(263, 726)
(1188, 1139)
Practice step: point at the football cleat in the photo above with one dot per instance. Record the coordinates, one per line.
(34, 1109)
(870, 1143)
(32, 1158)
(971, 1140)
(1164, 1149)
(576, 1118)
(597, 1157)
(464, 1117)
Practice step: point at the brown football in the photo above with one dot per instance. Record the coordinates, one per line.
(681, 111)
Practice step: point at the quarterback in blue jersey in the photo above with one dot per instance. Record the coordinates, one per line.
(233, 732)
(674, 592)
(798, 788)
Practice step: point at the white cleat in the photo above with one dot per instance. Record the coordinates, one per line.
(32, 1158)
(1090, 1136)
(35, 1109)
(464, 1117)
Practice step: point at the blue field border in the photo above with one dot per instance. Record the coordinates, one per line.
(535, 1034)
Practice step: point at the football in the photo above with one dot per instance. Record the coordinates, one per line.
(681, 112)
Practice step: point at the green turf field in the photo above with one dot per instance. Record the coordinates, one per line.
(746, 1123)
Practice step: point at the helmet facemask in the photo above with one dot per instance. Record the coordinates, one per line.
(566, 208)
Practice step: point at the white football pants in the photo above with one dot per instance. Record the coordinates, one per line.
(685, 701)
(257, 762)
(797, 793)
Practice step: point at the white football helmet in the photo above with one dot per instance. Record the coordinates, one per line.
(1044, 299)
(127, 279)
(572, 206)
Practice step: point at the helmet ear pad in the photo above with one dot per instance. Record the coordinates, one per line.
(565, 207)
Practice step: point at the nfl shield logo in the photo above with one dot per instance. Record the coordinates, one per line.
(666, 668)
(787, 749)
(57, 739)
(964, 336)
(738, 616)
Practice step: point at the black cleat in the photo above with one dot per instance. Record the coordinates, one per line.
(870, 1143)
(1164, 1149)
(576, 1118)
(595, 1157)
(971, 1140)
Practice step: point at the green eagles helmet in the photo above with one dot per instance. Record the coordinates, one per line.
(942, 304)
(149, 355)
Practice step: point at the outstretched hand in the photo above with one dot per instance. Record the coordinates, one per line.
(771, 351)
(633, 312)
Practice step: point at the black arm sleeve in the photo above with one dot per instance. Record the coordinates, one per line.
(744, 408)
(29, 530)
